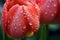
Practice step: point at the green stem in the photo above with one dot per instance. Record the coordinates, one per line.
(3, 35)
(17, 39)
(43, 32)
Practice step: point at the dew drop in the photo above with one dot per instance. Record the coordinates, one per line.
(32, 26)
(8, 21)
(47, 5)
(35, 30)
(28, 15)
(52, 14)
(24, 27)
(54, 5)
(30, 23)
(19, 24)
(15, 27)
(21, 11)
(14, 24)
(50, 0)
(24, 16)
(27, 18)
(16, 17)
(45, 12)
(5, 24)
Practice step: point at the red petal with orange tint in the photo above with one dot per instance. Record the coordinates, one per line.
(16, 23)
(32, 17)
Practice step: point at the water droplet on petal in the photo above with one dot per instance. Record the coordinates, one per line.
(28, 15)
(47, 5)
(19, 24)
(8, 21)
(24, 27)
(15, 27)
(30, 23)
(45, 12)
(21, 11)
(54, 5)
(27, 18)
(52, 14)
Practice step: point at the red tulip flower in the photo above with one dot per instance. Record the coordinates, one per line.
(57, 18)
(48, 10)
(20, 18)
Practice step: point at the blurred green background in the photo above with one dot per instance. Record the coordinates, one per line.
(46, 32)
